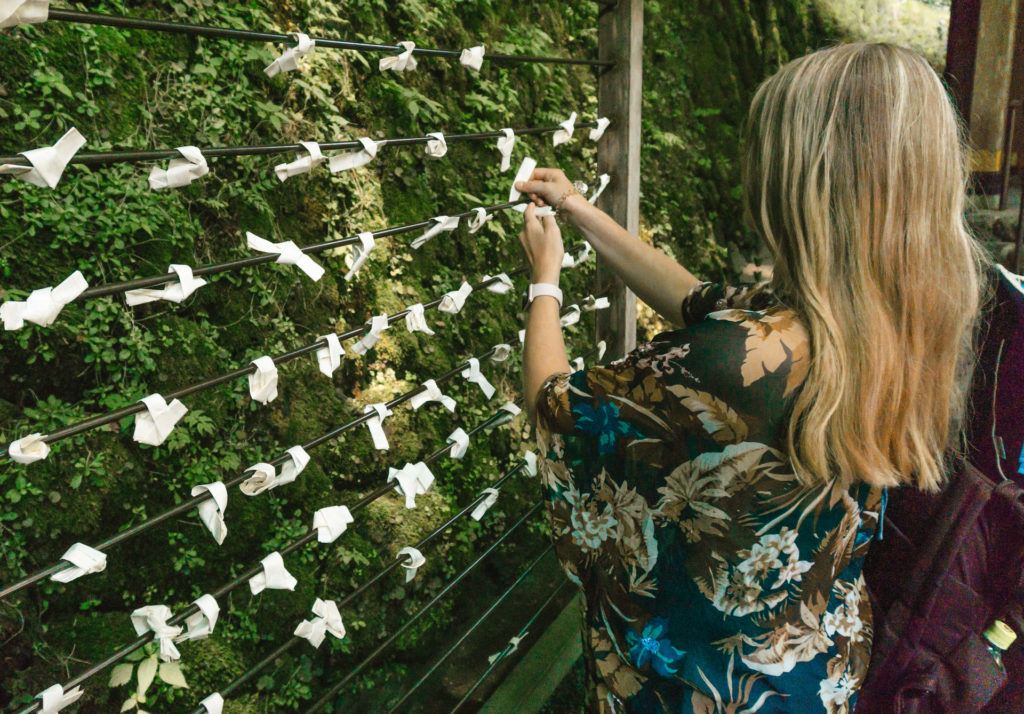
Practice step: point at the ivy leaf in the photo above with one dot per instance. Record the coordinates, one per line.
(171, 673)
(121, 674)
(129, 703)
(147, 670)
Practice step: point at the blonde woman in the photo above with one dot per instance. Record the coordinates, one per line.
(715, 492)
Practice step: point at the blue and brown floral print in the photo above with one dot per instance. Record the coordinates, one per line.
(715, 580)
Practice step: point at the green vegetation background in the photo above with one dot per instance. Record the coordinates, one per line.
(129, 89)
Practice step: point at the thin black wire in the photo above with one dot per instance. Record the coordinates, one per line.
(247, 676)
(121, 157)
(472, 628)
(509, 648)
(506, 534)
(92, 18)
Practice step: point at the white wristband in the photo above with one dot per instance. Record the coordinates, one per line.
(538, 289)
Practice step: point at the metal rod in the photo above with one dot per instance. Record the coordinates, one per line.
(382, 647)
(122, 157)
(472, 628)
(1007, 162)
(133, 23)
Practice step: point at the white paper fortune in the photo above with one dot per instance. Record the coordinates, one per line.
(411, 480)
(47, 163)
(29, 449)
(416, 561)
(473, 58)
(522, 337)
(602, 347)
(329, 523)
(512, 408)
(506, 144)
(473, 375)
(289, 59)
(501, 285)
(578, 365)
(327, 619)
(287, 254)
(24, 12)
(155, 424)
(263, 381)
(153, 618)
(502, 352)
(459, 440)
(200, 624)
(329, 356)
(213, 704)
(54, 698)
(571, 316)
(43, 305)
(441, 224)
(591, 303)
(479, 218)
(604, 180)
(377, 325)
(375, 424)
(84, 559)
(416, 319)
(181, 171)
(274, 576)
(266, 477)
(485, 504)
(452, 302)
(564, 134)
(174, 291)
(431, 393)
(436, 145)
(354, 159)
(530, 459)
(525, 173)
(538, 211)
(306, 161)
(211, 511)
(359, 253)
(602, 125)
(402, 62)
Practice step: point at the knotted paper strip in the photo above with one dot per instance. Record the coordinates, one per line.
(442, 224)
(331, 522)
(153, 618)
(602, 125)
(85, 561)
(591, 303)
(29, 449)
(263, 381)
(501, 352)
(47, 163)
(42, 306)
(568, 261)
(211, 511)
(414, 564)
(563, 135)
(571, 316)
(376, 424)
(473, 375)
(359, 253)
(531, 462)
(602, 347)
(525, 173)
(171, 292)
(24, 12)
(502, 285)
(479, 218)
(274, 576)
(287, 254)
(181, 171)
(402, 62)
(303, 163)
(354, 159)
(584, 253)
(327, 619)
(506, 144)
(522, 337)
(265, 476)
(485, 505)
(214, 704)
(512, 408)
(604, 180)
(431, 393)
(328, 358)
(459, 440)
(200, 624)
(289, 59)
(55, 698)
(412, 480)
(153, 426)
(416, 320)
(436, 145)
(578, 365)
(377, 325)
(513, 643)
(452, 302)
(539, 211)
(472, 58)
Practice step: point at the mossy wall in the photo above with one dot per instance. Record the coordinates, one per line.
(130, 89)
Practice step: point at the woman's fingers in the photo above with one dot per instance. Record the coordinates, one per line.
(532, 186)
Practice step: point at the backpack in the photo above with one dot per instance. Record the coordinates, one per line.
(946, 565)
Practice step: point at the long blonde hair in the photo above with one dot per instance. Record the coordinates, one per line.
(855, 176)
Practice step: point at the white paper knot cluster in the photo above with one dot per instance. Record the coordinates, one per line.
(153, 618)
(266, 476)
(42, 306)
(327, 619)
(411, 480)
(25, 12)
(289, 59)
(47, 164)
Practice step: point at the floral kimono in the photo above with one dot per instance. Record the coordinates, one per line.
(714, 580)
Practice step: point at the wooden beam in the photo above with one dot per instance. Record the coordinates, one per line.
(620, 40)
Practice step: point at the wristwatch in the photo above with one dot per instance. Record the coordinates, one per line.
(538, 289)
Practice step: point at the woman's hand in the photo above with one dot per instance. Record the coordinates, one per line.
(542, 241)
(550, 187)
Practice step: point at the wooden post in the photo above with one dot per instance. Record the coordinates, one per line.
(620, 39)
